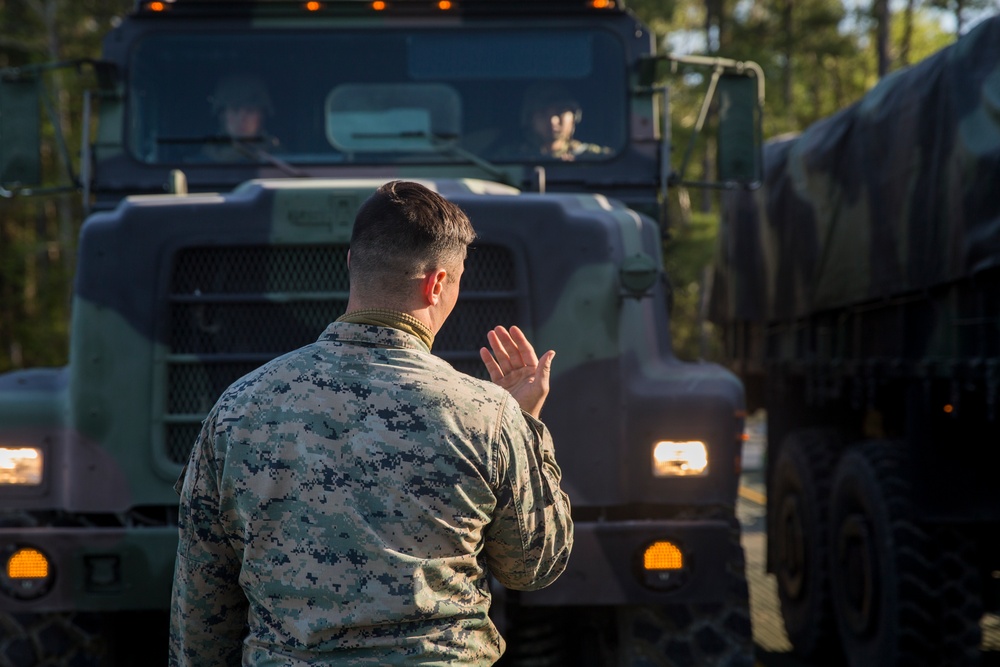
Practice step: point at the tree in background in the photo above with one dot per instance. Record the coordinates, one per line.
(819, 56)
(38, 235)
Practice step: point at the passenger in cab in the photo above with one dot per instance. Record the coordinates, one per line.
(550, 116)
(241, 103)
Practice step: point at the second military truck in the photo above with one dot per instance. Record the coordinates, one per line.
(858, 301)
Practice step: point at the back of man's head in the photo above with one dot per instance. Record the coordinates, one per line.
(401, 232)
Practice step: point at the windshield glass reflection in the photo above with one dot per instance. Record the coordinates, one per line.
(377, 97)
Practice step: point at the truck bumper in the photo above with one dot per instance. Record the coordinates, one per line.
(87, 569)
(606, 565)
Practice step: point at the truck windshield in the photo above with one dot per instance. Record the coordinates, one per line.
(377, 96)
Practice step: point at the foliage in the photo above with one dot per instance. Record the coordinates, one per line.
(38, 235)
(688, 254)
(818, 57)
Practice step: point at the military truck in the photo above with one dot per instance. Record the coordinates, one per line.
(203, 256)
(857, 296)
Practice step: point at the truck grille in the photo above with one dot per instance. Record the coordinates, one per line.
(232, 309)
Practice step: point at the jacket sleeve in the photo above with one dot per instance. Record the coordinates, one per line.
(530, 537)
(208, 609)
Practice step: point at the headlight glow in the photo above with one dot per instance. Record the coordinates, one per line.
(20, 465)
(680, 459)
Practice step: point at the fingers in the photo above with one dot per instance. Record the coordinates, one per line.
(524, 347)
(499, 349)
(511, 349)
(491, 365)
(545, 365)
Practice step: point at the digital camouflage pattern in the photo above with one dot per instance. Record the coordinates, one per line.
(895, 194)
(348, 501)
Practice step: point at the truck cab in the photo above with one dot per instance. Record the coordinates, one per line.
(409, 89)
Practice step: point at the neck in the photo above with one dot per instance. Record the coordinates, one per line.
(390, 318)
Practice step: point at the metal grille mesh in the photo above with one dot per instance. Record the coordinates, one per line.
(234, 308)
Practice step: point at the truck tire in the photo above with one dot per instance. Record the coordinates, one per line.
(881, 577)
(706, 635)
(960, 599)
(51, 640)
(800, 490)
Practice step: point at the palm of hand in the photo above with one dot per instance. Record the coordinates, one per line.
(513, 365)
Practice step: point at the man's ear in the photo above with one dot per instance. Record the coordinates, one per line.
(433, 285)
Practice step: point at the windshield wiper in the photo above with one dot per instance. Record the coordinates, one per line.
(442, 142)
(246, 147)
(256, 152)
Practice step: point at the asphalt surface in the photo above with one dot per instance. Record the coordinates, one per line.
(773, 648)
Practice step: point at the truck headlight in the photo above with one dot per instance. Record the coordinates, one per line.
(20, 466)
(680, 459)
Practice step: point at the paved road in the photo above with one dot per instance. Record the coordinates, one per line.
(773, 648)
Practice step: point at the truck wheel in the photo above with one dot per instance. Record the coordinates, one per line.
(51, 640)
(705, 635)
(800, 489)
(881, 577)
(960, 599)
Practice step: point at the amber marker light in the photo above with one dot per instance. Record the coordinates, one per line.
(664, 566)
(157, 6)
(444, 5)
(378, 5)
(602, 4)
(949, 409)
(312, 6)
(27, 564)
(662, 555)
(27, 573)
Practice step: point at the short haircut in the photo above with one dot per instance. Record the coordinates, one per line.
(401, 232)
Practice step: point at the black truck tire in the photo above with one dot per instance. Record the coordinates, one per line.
(52, 640)
(701, 635)
(800, 489)
(881, 576)
(959, 599)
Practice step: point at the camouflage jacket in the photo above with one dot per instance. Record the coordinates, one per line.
(346, 503)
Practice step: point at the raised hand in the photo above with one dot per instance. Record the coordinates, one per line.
(514, 366)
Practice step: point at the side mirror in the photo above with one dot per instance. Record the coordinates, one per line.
(20, 132)
(739, 136)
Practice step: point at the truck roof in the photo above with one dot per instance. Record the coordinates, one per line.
(387, 7)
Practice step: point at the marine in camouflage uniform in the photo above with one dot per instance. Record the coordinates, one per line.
(550, 116)
(346, 503)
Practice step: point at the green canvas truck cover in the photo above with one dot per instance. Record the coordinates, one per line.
(894, 195)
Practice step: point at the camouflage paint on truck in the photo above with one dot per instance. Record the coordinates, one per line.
(857, 295)
(178, 295)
